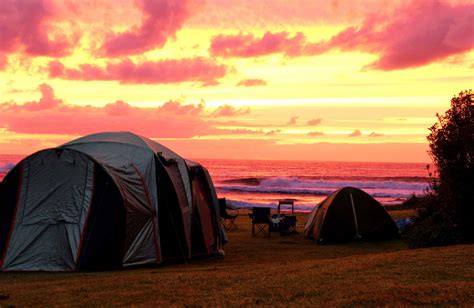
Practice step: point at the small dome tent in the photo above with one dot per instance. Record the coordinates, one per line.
(105, 201)
(347, 214)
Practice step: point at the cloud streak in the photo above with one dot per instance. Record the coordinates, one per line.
(374, 134)
(251, 83)
(314, 122)
(230, 111)
(247, 45)
(315, 134)
(148, 72)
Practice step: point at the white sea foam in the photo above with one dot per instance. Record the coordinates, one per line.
(298, 186)
(299, 183)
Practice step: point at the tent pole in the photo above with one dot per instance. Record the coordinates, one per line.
(355, 217)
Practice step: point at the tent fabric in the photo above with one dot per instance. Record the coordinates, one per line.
(349, 214)
(205, 211)
(115, 174)
(44, 216)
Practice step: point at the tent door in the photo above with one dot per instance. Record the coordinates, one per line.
(55, 195)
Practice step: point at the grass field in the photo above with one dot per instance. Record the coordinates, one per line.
(277, 271)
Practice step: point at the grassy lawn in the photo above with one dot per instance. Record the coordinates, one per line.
(278, 270)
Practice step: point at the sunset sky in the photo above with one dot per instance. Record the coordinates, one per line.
(267, 79)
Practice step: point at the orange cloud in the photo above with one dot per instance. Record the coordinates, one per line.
(251, 83)
(161, 20)
(314, 122)
(355, 133)
(315, 134)
(230, 111)
(148, 72)
(272, 132)
(243, 131)
(292, 121)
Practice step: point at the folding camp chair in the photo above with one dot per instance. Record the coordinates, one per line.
(260, 220)
(227, 220)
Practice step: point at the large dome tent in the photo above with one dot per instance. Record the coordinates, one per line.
(104, 201)
(349, 214)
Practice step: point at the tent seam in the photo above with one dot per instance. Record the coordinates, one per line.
(155, 220)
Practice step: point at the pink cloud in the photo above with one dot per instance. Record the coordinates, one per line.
(47, 100)
(413, 35)
(50, 115)
(315, 134)
(26, 26)
(230, 111)
(314, 122)
(161, 20)
(148, 72)
(264, 14)
(355, 133)
(247, 45)
(422, 32)
(251, 83)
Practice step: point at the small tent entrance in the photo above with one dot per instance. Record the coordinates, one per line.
(69, 219)
(205, 217)
(43, 226)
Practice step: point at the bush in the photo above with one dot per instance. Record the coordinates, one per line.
(446, 214)
(432, 225)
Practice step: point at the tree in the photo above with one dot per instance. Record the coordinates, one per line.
(446, 215)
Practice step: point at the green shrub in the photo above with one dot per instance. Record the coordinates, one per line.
(446, 214)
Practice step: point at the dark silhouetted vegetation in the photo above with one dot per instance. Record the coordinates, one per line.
(446, 214)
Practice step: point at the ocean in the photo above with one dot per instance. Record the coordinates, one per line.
(248, 183)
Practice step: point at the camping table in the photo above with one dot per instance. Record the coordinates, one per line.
(287, 202)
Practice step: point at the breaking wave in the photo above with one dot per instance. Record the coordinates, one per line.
(255, 181)
(389, 188)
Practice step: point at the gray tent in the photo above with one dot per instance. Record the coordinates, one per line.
(105, 201)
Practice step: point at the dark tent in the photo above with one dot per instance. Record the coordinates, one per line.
(347, 214)
(106, 201)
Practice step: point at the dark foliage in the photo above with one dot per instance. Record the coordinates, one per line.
(446, 215)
